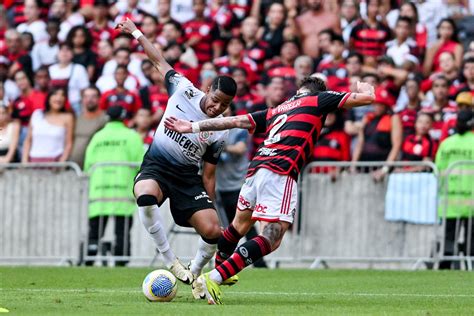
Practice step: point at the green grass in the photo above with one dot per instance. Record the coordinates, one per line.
(106, 291)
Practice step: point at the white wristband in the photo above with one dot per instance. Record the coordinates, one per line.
(137, 34)
(195, 127)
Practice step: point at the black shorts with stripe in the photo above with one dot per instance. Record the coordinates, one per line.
(186, 193)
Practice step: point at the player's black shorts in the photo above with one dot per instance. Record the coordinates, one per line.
(186, 193)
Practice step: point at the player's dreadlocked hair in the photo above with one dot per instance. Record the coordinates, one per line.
(314, 84)
(225, 84)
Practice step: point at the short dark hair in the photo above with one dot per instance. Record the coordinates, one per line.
(357, 55)
(123, 67)
(122, 49)
(337, 38)
(405, 19)
(314, 84)
(225, 84)
(91, 87)
(465, 121)
(149, 16)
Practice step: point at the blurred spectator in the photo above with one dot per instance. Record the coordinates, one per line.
(80, 40)
(9, 136)
(409, 107)
(354, 63)
(244, 99)
(142, 124)
(419, 146)
(50, 133)
(64, 11)
(128, 10)
(33, 24)
(42, 83)
(333, 143)
(369, 36)
(112, 186)
(464, 100)
(164, 13)
(448, 69)
(349, 17)
(155, 97)
(45, 53)
(182, 60)
(207, 74)
(202, 35)
(171, 32)
(459, 147)
(182, 10)
(255, 49)
(27, 41)
(272, 31)
(105, 52)
(403, 44)
(334, 67)
(312, 22)
(468, 74)
(100, 27)
(304, 67)
(230, 175)
(91, 120)
(16, 55)
(121, 58)
(149, 29)
(120, 96)
(447, 42)
(69, 76)
(236, 59)
(439, 105)
(381, 135)
(324, 39)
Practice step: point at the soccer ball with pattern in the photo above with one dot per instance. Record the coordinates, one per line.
(160, 286)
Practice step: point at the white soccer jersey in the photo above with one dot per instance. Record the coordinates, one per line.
(182, 153)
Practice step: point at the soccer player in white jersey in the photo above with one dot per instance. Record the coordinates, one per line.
(171, 165)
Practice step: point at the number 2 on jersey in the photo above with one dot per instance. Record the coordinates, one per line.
(273, 136)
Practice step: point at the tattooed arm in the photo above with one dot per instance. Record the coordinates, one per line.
(216, 124)
(365, 95)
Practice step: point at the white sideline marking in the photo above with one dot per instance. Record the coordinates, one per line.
(137, 290)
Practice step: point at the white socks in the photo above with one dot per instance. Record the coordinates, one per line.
(216, 276)
(204, 254)
(153, 222)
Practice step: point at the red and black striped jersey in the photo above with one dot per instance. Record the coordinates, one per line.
(292, 129)
(416, 148)
(370, 41)
(204, 30)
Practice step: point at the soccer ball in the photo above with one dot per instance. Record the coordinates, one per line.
(160, 286)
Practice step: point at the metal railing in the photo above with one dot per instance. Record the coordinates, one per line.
(348, 218)
(42, 212)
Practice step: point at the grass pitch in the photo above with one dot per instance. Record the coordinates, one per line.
(106, 291)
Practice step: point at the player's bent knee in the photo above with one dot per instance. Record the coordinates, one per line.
(211, 231)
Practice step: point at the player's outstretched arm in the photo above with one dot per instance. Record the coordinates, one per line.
(364, 95)
(216, 124)
(153, 54)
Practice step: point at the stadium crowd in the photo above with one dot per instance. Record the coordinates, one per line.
(63, 64)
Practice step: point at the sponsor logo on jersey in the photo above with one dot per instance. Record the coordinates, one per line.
(267, 151)
(203, 195)
(177, 106)
(244, 202)
(189, 148)
(204, 136)
(259, 208)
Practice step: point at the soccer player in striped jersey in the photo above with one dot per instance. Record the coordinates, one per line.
(171, 166)
(269, 193)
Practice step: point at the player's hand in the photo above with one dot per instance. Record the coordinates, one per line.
(126, 26)
(178, 125)
(366, 88)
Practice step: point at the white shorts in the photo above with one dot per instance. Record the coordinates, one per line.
(271, 196)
